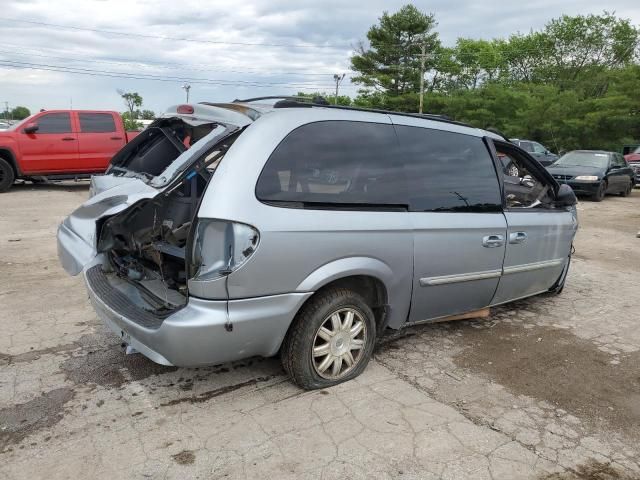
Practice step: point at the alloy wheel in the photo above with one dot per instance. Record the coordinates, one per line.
(339, 343)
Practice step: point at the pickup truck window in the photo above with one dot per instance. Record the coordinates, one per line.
(96, 123)
(54, 123)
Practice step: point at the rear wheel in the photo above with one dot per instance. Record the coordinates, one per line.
(627, 191)
(6, 175)
(599, 195)
(330, 341)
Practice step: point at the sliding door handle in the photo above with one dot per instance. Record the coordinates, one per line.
(517, 237)
(492, 241)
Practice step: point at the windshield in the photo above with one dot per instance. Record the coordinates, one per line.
(637, 150)
(583, 159)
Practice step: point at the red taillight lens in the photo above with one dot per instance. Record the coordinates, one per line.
(185, 109)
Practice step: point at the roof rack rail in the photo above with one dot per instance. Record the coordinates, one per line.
(427, 116)
(281, 97)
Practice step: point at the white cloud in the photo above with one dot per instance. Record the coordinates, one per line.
(275, 69)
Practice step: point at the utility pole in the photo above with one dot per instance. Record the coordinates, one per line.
(423, 54)
(423, 57)
(337, 78)
(187, 87)
(6, 110)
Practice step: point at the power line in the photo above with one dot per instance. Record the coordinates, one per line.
(134, 76)
(159, 64)
(175, 39)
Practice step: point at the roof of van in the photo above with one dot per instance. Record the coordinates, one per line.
(257, 107)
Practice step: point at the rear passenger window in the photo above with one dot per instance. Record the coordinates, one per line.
(448, 171)
(97, 123)
(341, 163)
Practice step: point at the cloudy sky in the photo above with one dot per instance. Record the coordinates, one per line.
(224, 49)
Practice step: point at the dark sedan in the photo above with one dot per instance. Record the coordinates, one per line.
(594, 173)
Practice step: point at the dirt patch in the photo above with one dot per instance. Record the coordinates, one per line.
(553, 365)
(591, 471)
(20, 421)
(185, 457)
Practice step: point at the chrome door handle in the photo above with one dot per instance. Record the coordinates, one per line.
(492, 241)
(517, 237)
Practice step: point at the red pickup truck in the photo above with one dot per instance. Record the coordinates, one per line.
(60, 144)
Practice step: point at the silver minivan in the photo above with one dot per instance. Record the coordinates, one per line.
(306, 230)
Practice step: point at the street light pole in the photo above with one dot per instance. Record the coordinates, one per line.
(337, 78)
(187, 87)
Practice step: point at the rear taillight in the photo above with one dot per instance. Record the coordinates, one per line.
(185, 109)
(219, 247)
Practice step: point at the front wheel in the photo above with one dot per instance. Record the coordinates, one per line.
(6, 175)
(599, 195)
(330, 341)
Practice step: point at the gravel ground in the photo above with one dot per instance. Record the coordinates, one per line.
(546, 388)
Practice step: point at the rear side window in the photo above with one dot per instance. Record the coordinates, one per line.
(97, 123)
(448, 171)
(54, 123)
(341, 163)
(527, 146)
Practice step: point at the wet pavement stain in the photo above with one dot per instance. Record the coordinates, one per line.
(591, 471)
(17, 422)
(110, 368)
(205, 396)
(554, 365)
(185, 457)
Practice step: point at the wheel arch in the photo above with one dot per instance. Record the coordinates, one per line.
(8, 155)
(369, 277)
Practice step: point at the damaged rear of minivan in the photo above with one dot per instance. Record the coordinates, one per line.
(130, 239)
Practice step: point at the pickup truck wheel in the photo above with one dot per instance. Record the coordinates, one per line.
(330, 341)
(6, 175)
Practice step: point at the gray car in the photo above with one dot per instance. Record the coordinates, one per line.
(537, 151)
(307, 230)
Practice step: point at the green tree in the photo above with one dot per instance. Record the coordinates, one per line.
(20, 113)
(147, 115)
(133, 102)
(344, 100)
(391, 63)
(584, 44)
(131, 123)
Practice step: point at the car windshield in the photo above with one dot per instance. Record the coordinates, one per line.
(637, 150)
(583, 159)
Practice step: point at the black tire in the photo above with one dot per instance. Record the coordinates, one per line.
(303, 335)
(627, 191)
(7, 176)
(599, 195)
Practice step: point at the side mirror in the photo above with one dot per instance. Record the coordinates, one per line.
(565, 196)
(31, 127)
